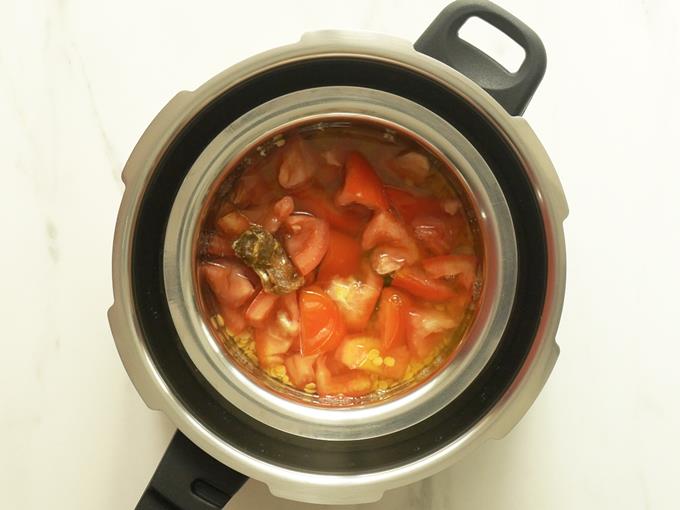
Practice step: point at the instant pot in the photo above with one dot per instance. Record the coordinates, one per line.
(449, 96)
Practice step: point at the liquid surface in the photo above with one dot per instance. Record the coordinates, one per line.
(338, 265)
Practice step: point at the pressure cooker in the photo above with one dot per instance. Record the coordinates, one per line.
(442, 91)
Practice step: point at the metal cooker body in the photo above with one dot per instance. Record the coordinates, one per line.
(131, 338)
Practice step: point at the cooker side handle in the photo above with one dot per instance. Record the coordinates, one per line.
(190, 479)
(512, 90)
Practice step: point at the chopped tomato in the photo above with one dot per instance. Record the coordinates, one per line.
(350, 219)
(401, 356)
(342, 258)
(393, 317)
(329, 177)
(321, 325)
(356, 297)
(256, 214)
(260, 308)
(354, 351)
(367, 353)
(351, 384)
(233, 223)
(217, 246)
(298, 164)
(308, 241)
(440, 233)
(409, 205)
(233, 319)
(270, 345)
(229, 282)
(280, 211)
(449, 266)
(300, 369)
(427, 330)
(251, 187)
(413, 166)
(393, 243)
(362, 185)
(416, 281)
(288, 315)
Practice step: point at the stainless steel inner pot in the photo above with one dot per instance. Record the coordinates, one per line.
(323, 104)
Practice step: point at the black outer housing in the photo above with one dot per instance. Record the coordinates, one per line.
(174, 483)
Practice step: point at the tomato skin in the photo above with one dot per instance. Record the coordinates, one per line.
(229, 282)
(417, 282)
(427, 328)
(408, 205)
(391, 239)
(260, 308)
(300, 369)
(321, 325)
(298, 164)
(307, 242)
(393, 321)
(350, 219)
(362, 185)
(342, 258)
(354, 383)
(463, 267)
(356, 297)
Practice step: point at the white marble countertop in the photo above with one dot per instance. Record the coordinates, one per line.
(79, 82)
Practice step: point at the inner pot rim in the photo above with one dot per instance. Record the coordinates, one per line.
(497, 233)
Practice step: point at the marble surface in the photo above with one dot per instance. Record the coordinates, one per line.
(79, 82)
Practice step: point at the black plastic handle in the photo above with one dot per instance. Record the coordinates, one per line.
(512, 90)
(187, 478)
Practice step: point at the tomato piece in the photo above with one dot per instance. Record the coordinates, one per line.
(362, 184)
(271, 344)
(233, 319)
(394, 245)
(288, 314)
(408, 205)
(260, 308)
(463, 267)
(416, 281)
(299, 162)
(229, 282)
(413, 166)
(321, 325)
(350, 219)
(280, 211)
(342, 258)
(401, 356)
(356, 297)
(438, 233)
(251, 187)
(307, 242)
(300, 369)
(330, 177)
(217, 246)
(351, 384)
(428, 328)
(233, 223)
(393, 317)
(354, 351)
